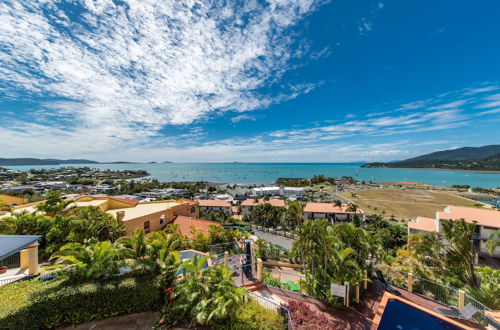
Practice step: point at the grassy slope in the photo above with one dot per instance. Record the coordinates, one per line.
(406, 204)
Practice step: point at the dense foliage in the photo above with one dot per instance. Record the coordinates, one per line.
(59, 224)
(491, 163)
(206, 297)
(269, 251)
(333, 254)
(35, 304)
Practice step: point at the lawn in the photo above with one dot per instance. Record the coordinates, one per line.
(404, 204)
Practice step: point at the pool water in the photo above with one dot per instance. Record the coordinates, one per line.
(188, 254)
(400, 316)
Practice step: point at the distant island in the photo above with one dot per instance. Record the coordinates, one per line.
(485, 158)
(37, 161)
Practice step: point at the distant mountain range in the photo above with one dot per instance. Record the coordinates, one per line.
(485, 158)
(37, 161)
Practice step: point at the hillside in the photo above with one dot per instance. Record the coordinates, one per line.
(485, 158)
(460, 154)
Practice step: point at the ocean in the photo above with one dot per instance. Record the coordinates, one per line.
(267, 173)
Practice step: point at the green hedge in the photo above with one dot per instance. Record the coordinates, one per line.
(34, 304)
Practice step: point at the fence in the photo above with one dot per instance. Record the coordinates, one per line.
(217, 251)
(13, 261)
(274, 231)
(10, 280)
(297, 282)
(277, 308)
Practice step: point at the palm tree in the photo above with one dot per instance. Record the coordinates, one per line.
(337, 203)
(93, 261)
(493, 241)
(207, 296)
(351, 207)
(294, 214)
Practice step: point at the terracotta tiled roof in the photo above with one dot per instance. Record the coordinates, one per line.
(132, 202)
(328, 208)
(423, 223)
(489, 218)
(214, 203)
(186, 224)
(189, 201)
(273, 202)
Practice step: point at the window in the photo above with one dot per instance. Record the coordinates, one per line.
(146, 227)
(192, 209)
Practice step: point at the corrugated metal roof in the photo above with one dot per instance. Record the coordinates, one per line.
(10, 244)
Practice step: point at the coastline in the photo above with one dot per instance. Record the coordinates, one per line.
(437, 169)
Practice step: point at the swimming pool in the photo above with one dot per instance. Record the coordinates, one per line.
(190, 254)
(399, 315)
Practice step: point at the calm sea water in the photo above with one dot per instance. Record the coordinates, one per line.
(265, 173)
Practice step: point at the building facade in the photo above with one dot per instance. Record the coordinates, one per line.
(486, 222)
(329, 211)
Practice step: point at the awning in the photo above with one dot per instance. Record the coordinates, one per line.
(11, 244)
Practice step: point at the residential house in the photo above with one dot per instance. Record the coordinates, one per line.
(486, 222)
(335, 214)
(209, 205)
(248, 205)
(152, 216)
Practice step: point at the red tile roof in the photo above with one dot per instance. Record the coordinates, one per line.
(328, 208)
(273, 202)
(423, 223)
(489, 218)
(189, 201)
(186, 225)
(213, 203)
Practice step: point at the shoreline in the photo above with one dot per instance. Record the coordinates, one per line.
(436, 169)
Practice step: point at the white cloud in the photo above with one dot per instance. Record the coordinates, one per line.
(243, 117)
(126, 70)
(364, 26)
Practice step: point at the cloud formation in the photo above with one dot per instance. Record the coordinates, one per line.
(128, 68)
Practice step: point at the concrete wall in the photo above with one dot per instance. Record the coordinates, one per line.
(168, 216)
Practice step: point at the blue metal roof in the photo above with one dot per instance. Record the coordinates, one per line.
(10, 244)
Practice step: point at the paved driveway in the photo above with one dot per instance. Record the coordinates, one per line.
(275, 239)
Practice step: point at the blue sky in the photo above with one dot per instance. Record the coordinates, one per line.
(276, 81)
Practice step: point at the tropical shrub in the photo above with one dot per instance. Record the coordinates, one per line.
(206, 297)
(269, 251)
(251, 315)
(36, 305)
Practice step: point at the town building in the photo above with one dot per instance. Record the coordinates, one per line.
(290, 192)
(209, 205)
(486, 222)
(151, 216)
(335, 214)
(248, 205)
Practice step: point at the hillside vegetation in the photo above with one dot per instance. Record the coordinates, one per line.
(475, 159)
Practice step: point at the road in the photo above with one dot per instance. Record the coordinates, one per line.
(275, 239)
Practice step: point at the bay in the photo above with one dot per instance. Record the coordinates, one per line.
(267, 173)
